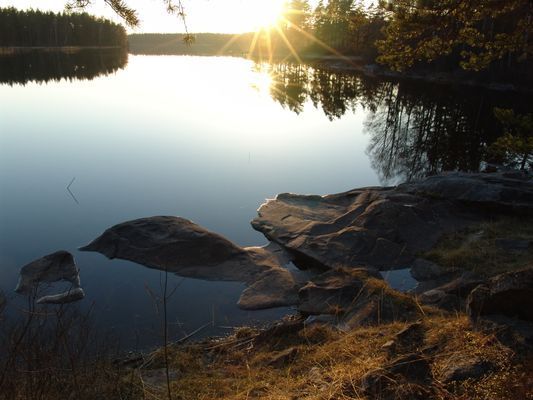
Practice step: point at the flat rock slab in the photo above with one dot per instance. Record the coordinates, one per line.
(511, 191)
(182, 247)
(386, 227)
(376, 227)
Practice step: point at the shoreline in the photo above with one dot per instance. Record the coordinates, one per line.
(355, 64)
(468, 333)
(440, 78)
(11, 50)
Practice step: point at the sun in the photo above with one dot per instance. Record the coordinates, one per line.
(265, 14)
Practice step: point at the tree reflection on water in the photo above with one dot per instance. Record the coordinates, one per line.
(22, 67)
(416, 129)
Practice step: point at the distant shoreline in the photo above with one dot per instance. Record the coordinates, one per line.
(66, 49)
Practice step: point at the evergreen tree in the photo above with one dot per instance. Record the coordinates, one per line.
(34, 28)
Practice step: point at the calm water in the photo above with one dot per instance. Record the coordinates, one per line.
(208, 139)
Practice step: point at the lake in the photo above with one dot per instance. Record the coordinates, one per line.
(208, 139)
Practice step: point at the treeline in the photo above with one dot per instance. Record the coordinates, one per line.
(336, 27)
(489, 39)
(34, 28)
(204, 44)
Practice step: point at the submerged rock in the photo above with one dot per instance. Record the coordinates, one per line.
(425, 270)
(386, 227)
(182, 247)
(58, 266)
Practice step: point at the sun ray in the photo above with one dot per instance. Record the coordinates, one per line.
(253, 43)
(288, 43)
(269, 46)
(233, 39)
(321, 43)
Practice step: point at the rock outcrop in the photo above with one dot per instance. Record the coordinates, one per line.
(453, 294)
(509, 294)
(370, 229)
(355, 297)
(461, 368)
(406, 377)
(407, 340)
(55, 267)
(424, 270)
(500, 191)
(386, 227)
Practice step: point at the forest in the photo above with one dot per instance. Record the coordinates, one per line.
(34, 28)
(490, 41)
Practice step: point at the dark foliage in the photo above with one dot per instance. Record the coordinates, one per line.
(36, 28)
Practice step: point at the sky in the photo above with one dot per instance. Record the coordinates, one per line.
(230, 16)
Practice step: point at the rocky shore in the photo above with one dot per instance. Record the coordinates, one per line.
(467, 324)
(339, 242)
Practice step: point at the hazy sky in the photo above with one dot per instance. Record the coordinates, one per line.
(203, 15)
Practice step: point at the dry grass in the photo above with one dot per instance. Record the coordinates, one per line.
(476, 249)
(54, 353)
(327, 364)
(330, 364)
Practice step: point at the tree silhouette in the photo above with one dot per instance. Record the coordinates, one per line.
(36, 28)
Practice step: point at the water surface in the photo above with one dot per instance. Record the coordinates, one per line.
(195, 137)
(208, 139)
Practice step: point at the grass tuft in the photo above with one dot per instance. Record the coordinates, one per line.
(478, 248)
